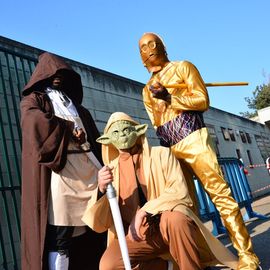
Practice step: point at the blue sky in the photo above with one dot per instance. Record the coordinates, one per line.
(227, 40)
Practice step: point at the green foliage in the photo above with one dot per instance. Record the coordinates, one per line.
(248, 114)
(259, 100)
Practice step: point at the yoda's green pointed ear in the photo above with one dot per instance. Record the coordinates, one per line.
(104, 139)
(141, 129)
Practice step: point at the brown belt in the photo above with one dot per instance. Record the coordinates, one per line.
(78, 151)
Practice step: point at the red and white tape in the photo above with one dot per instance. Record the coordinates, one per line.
(261, 189)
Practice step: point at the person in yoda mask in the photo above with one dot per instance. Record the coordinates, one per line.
(154, 203)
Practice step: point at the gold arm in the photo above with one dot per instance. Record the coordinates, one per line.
(183, 85)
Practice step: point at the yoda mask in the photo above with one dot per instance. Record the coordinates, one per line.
(123, 134)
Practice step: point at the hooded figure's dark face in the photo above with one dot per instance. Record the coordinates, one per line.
(53, 71)
(57, 81)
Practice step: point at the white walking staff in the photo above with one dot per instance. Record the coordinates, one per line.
(111, 195)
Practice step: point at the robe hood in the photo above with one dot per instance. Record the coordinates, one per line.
(48, 65)
(109, 152)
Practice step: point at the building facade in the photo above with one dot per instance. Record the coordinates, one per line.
(104, 93)
(235, 136)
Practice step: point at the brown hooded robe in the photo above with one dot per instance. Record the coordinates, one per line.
(44, 148)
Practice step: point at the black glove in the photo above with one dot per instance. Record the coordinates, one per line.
(159, 91)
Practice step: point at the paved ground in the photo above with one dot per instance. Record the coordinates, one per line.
(259, 230)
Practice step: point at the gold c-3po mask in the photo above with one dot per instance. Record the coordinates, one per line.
(153, 52)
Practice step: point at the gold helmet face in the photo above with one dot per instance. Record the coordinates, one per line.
(153, 52)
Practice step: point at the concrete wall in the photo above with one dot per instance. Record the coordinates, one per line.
(105, 93)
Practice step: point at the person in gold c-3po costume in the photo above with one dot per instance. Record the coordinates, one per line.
(177, 116)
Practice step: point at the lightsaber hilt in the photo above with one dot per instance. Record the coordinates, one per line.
(111, 193)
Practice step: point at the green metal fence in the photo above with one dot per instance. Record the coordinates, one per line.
(15, 70)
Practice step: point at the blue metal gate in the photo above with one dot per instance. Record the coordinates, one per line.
(233, 172)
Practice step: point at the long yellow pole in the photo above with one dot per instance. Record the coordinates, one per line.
(183, 85)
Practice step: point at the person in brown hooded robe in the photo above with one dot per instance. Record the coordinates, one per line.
(60, 161)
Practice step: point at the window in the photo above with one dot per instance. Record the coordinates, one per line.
(238, 153)
(249, 158)
(213, 135)
(263, 145)
(248, 137)
(243, 137)
(231, 132)
(225, 133)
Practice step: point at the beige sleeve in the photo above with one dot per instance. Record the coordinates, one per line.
(98, 214)
(175, 187)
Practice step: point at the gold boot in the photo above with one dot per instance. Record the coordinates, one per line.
(241, 241)
(248, 262)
